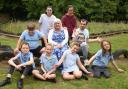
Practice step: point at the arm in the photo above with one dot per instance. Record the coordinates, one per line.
(11, 61)
(82, 67)
(91, 59)
(50, 38)
(45, 40)
(42, 67)
(115, 65)
(98, 39)
(66, 38)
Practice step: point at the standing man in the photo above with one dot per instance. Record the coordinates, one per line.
(69, 20)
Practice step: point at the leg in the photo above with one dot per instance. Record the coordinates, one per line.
(38, 75)
(77, 74)
(52, 76)
(84, 50)
(106, 73)
(96, 71)
(36, 52)
(68, 76)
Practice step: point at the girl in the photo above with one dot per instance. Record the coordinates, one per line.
(101, 59)
(47, 61)
(71, 63)
(23, 62)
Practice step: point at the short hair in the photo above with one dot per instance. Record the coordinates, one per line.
(49, 7)
(70, 6)
(84, 20)
(74, 43)
(24, 43)
(31, 26)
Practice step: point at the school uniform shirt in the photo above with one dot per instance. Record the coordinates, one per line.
(25, 58)
(32, 40)
(102, 59)
(70, 61)
(46, 22)
(48, 62)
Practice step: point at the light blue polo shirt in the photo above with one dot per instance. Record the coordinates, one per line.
(70, 61)
(102, 60)
(32, 40)
(48, 62)
(25, 58)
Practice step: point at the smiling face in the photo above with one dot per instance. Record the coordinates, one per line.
(75, 48)
(57, 25)
(49, 11)
(25, 48)
(83, 25)
(49, 49)
(106, 46)
(31, 28)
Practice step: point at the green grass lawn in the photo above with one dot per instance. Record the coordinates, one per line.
(116, 81)
(94, 27)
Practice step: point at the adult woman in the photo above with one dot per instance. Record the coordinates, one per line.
(58, 37)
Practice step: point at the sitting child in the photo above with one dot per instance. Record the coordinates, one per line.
(101, 59)
(47, 60)
(71, 63)
(23, 62)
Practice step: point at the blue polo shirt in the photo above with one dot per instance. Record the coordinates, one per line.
(32, 40)
(25, 58)
(48, 62)
(102, 60)
(70, 61)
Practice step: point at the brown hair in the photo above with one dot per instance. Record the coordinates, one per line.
(24, 43)
(31, 26)
(74, 43)
(84, 20)
(104, 51)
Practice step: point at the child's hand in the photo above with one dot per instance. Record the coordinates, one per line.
(18, 67)
(90, 74)
(120, 70)
(99, 39)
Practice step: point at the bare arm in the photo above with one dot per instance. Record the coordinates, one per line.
(115, 65)
(82, 67)
(45, 40)
(42, 67)
(91, 59)
(11, 61)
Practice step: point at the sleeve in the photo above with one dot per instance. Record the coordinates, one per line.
(63, 21)
(98, 53)
(77, 57)
(40, 34)
(40, 20)
(50, 38)
(22, 37)
(66, 37)
(87, 34)
(18, 55)
(111, 57)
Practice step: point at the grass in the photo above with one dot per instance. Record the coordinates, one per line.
(94, 27)
(117, 80)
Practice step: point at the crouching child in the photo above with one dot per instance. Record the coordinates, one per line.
(22, 62)
(47, 60)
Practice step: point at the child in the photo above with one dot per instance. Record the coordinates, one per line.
(81, 35)
(23, 62)
(71, 63)
(101, 59)
(47, 60)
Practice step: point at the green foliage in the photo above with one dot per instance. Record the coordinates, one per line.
(94, 10)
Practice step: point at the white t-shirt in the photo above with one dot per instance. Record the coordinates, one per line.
(46, 23)
(85, 32)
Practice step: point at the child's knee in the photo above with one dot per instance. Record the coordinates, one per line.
(35, 72)
(77, 74)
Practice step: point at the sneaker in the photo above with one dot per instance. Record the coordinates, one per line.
(20, 84)
(5, 82)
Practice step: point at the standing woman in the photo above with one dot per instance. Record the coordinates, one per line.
(58, 37)
(46, 22)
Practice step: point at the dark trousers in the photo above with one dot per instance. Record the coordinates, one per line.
(36, 52)
(24, 70)
(98, 71)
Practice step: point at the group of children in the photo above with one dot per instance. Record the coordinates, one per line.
(70, 60)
